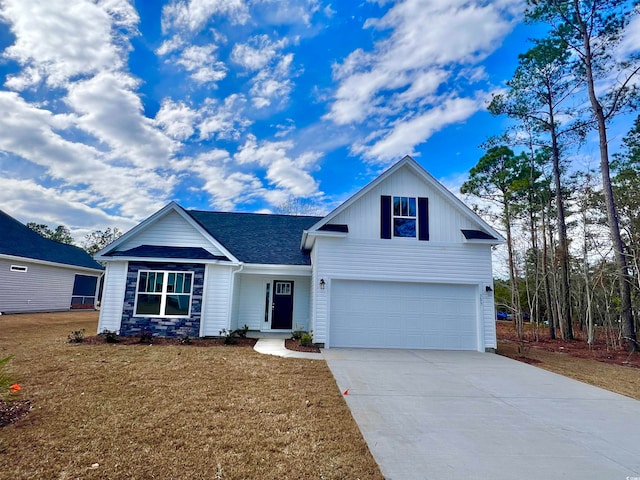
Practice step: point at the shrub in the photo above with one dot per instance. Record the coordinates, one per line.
(186, 340)
(77, 336)
(242, 332)
(227, 336)
(306, 340)
(110, 336)
(297, 334)
(146, 336)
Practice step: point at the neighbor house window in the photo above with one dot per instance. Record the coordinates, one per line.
(163, 293)
(404, 217)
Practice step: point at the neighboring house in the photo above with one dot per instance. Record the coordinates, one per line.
(401, 264)
(42, 275)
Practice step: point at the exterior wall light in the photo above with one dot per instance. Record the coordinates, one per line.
(322, 284)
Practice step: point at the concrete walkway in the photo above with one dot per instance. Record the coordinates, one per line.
(275, 346)
(468, 415)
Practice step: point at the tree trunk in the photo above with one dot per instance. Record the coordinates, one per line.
(513, 281)
(563, 249)
(545, 274)
(626, 312)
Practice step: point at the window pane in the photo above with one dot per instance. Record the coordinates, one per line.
(177, 305)
(396, 206)
(159, 280)
(142, 283)
(179, 283)
(405, 207)
(187, 282)
(404, 227)
(148, 305)
(412, 207)
(171, 283)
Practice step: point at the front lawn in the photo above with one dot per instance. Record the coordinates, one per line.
(140, 411)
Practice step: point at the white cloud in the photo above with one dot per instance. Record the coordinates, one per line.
(30, 202)
(192, 15)
(290, 175)
(404, 135)
(57, 40)
(202, 63)
(398, 84)
(273, 85)
(112, 112)
(177, 119)
(223, 121)
(257, 53)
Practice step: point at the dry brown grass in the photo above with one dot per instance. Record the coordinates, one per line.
(617, 378)
(177, 412)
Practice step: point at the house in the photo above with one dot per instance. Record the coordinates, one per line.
(42, 275)
(403, 263)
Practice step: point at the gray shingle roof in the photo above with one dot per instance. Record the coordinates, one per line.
(155, 251)
(19, 240)
(258, 238)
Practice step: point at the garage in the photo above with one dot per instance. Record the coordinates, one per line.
(372, 314)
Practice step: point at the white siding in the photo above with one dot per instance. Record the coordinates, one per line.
(115, 282)
(216, 309)
(171, 230)
(40, 288)
(489, 319)
(422, 262)
(252, 301)
(445, 222)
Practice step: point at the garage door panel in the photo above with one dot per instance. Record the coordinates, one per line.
(403, 315)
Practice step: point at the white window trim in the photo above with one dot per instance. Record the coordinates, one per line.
(19, 268)
(163, 294)
(394, 216)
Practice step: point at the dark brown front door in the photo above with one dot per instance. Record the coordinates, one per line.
(282, 314)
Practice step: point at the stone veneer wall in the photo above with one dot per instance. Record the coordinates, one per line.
(161, 326)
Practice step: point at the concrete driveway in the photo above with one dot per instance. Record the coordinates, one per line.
(468, 415)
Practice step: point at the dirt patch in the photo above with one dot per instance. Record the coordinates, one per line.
(538, 338)
(291, 344)
(613, 370)
(12, 411)
(113, 411)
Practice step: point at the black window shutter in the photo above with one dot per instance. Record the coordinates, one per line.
(423, 218)
(385, 216)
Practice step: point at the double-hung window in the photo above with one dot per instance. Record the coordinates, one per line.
(404, 217)
(164, 293)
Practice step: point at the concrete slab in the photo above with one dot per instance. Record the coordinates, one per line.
(275, 346)
(439, 414)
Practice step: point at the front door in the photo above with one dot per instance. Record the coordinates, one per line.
(282, 305)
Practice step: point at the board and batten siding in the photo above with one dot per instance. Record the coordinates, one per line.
(171, 230)
(115, 283)
(403, 260)
(250, 310)
(445, 222)
(41, 288)
(216, 309)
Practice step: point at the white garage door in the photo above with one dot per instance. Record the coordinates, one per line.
(403, 315)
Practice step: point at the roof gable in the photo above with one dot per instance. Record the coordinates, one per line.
(18, 240)
(412, 174)
(171, 226)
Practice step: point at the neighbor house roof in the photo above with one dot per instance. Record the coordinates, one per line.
(258, 238)
(18, 240)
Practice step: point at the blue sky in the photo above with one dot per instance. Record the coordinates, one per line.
(114, 108)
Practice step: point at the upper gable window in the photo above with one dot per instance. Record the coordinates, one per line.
(404, 217)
